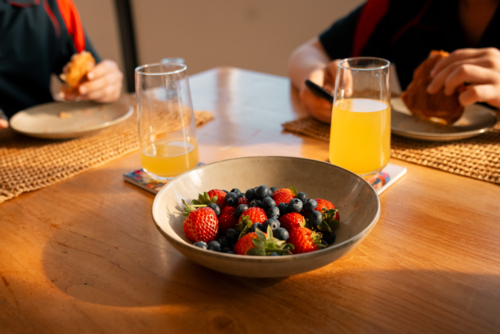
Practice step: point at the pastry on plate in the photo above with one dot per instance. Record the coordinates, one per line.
(437, 107)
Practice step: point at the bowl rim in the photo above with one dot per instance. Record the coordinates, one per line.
(256, 259)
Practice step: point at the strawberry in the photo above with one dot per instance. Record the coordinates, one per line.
(284, 195)
(220, 197)
(260, 243)
(245, 243)
(213, 196)
(291, 221)
(243, 200)
(324, 205)
(255, 214)
(227, 219)
(201, 223)
(304, 240)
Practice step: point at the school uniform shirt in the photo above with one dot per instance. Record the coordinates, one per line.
(37, 38)
(403, 32)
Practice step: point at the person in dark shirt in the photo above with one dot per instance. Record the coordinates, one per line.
(404, 32)
(37, 39)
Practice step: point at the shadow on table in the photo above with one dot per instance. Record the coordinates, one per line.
(144, 270)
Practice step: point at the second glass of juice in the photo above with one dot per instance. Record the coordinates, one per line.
(360, 138)
(167, 128)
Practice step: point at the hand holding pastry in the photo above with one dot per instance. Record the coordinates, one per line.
(104, 83)
(479, 69)
(86, 81)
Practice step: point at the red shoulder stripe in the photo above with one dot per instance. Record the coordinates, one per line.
(73, 24)
(23, 5)
(373, 11)
(53, 18)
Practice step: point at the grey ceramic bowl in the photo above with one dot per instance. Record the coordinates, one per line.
(356, 200)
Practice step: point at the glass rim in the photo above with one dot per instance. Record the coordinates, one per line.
(386, 65)
(139, 69)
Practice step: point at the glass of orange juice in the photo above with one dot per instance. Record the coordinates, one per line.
(360, 138)
(167, 128)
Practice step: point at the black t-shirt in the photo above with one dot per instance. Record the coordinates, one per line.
(403, 32)
(37, 38)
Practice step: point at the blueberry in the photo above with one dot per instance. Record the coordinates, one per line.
(324, 243)
(231, 199)
(262, 192)
(281, 234)
(241, 195)
(273, 222)
(223, 241)
(215, 207)
(257, 226)
(236, 191)
(232, 235)
(274, 254)
(214, 245)
(273, 189)
(329, 237)
(201, 244)
(227, 250)
(273, 212)
(302, 196)
(295, 205)
(283, 207)
(230, 252)
(250, 194)
(256, 203)
(240, 208)
(268, 203)
(315, 218)
(310, 205)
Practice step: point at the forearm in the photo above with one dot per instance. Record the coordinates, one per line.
(304, 60)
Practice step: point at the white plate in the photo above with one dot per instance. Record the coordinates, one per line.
(475, 120)
(60, 120)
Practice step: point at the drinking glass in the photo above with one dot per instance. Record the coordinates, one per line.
(167, 128)
(173, 60)
(360, 138)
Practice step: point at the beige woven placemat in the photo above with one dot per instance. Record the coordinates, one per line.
(28, 164)
(477, 157)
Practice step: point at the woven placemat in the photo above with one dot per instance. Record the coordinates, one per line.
(477, 157)
(28, 164)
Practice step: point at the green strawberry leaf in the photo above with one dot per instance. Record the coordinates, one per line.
(256, 251)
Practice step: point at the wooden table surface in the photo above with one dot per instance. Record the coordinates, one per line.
(85, 256)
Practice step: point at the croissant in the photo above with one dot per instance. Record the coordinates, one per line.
(75, 72)
(437, 107)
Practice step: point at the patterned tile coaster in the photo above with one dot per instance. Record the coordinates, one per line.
(383, 180)
(141, 179)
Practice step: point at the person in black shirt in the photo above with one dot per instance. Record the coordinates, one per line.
(38, 38)
(404, 32)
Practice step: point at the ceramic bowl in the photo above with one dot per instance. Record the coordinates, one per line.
(356, 200)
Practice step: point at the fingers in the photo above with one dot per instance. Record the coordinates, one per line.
(3, 124)
(458, 55)
(104, 84)
(439, 80)
(481, 93)
(318, 107)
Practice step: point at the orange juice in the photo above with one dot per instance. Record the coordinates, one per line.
(360, 138)
(169, 158)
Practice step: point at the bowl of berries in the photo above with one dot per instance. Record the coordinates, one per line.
(266, 216)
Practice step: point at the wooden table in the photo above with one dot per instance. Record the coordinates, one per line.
(85, 255)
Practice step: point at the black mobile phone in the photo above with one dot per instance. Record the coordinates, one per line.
(320, 91)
